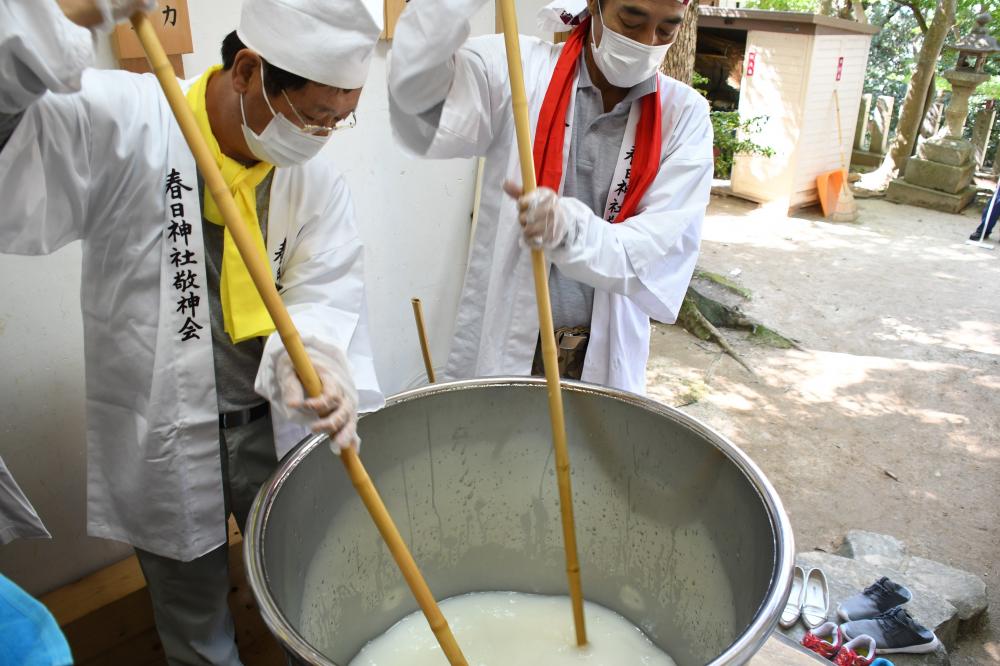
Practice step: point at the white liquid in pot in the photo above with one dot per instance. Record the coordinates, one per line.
(510, 628)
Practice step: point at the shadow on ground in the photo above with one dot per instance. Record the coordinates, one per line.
(888, 418)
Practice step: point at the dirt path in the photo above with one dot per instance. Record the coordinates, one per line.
(889, 420)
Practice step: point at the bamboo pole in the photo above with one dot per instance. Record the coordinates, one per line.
(546, 330)
(261, 275)
(418, 316)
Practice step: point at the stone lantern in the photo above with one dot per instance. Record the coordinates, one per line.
(940, 176)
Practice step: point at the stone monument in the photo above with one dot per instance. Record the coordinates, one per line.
(940, 176)
(877, 128)
(982, 127)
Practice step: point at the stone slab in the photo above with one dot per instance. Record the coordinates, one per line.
(881, 120)
(963, 77)
(938, 176)
(963, 590)
(899, 191)
(932, 121)
(864, 158)
(943, 597)
(937, 658)
(861, 128)
(982, 127)
(946, 151)
(847, 577)
(859, 543)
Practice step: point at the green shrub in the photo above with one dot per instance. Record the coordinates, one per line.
(700, 83)
(728, 128)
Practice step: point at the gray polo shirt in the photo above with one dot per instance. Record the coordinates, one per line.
(235, 364)
(593, 155)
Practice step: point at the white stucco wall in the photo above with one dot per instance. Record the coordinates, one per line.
(414, 217)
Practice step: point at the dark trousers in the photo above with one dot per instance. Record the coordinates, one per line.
(190, 599)
(993, 215)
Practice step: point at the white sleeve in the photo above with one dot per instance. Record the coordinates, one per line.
(651, 256)
(45, 161)
(323, 289)
(445, 93)
(46, 177)
(40, 51)
(18, 519)
(428, 35)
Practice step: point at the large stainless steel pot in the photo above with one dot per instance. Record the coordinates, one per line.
(678, 529)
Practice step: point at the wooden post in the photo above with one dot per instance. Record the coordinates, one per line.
(418, 316)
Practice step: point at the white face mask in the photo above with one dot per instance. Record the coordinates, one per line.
(623, 61)
(282, 143)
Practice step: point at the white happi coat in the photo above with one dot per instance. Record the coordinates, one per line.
(108, 166)
(639, 268)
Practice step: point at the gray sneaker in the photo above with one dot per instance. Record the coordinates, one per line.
(894, 631)
(877, 598)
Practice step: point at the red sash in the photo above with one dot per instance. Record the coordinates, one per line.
(550, 135)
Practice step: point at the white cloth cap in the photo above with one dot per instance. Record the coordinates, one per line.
(326, 41)
(562, 15)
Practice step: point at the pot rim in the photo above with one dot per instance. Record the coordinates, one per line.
(746, 645)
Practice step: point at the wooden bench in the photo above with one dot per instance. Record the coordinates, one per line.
(108, 618)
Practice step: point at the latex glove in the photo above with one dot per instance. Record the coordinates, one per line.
(543, 225)
(114, 11)
(335, 412)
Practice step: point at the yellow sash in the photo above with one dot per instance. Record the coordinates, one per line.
(242, 308)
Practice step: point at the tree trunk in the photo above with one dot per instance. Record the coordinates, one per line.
(916, 92)
(679, 61)
(859, 11)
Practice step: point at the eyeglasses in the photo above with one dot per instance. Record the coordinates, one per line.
(344, 123)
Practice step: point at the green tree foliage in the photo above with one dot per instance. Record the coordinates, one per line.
(734, 137)
(783, 5)
(902, 25)
(894, 48)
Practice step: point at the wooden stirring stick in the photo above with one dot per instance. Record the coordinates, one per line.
(546, 330)
(418, 316)
(261, 275)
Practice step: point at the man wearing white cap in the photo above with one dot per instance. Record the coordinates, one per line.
(191, 399)
(623, 156)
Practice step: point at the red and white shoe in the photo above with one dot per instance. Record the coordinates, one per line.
(825, 640)
(859, 651)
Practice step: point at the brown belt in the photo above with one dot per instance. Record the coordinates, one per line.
(571, 350)
(243, 417)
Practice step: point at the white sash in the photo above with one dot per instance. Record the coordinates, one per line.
(623, 170)
(184, 338)
(614, 317)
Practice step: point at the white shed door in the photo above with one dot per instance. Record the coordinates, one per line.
(774, 71)
(838, 63)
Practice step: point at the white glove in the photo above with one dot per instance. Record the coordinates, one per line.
(543, 225)
(336, 408)
(113, 11)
